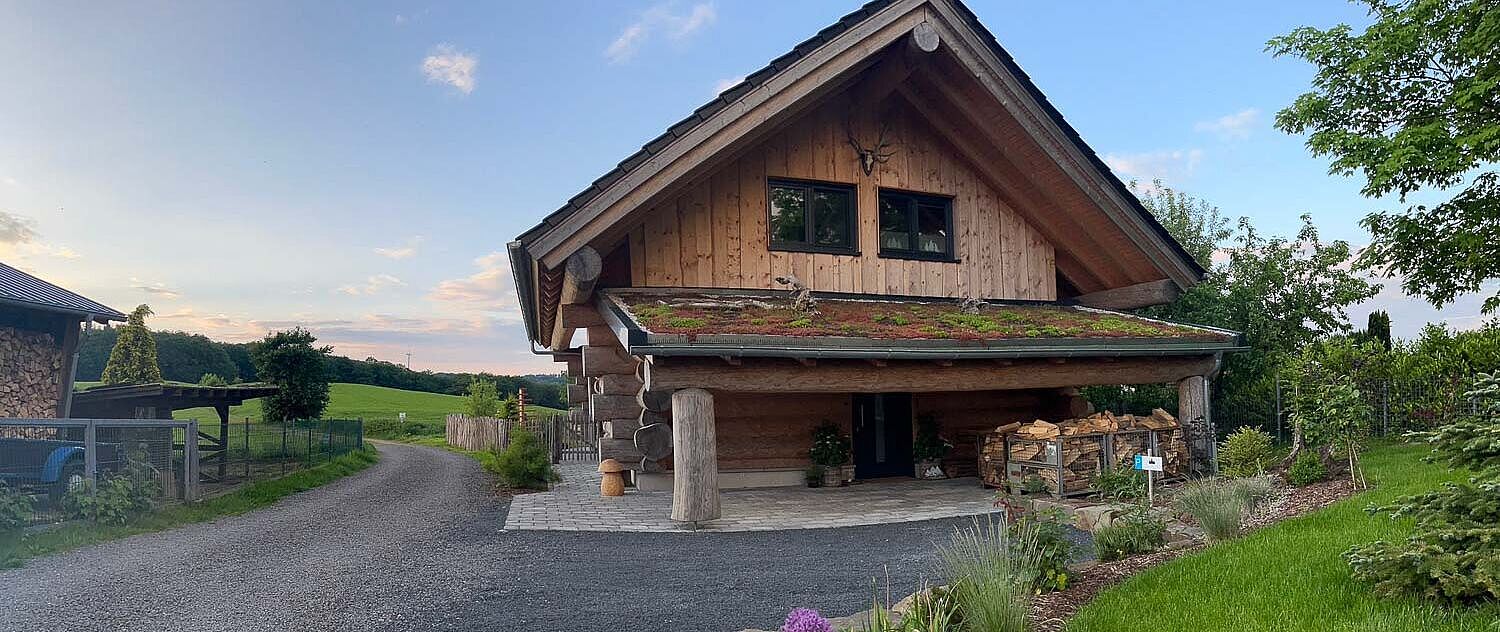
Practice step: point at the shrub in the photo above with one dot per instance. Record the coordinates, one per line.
(1053, 547)
(1253, 491)
(525, 463)
(1033, 484)
(830, 447)
(15, 513)
(1306, 470)
(1121, 484)
(990, 569)
(212, 379)
(1214, 506)
(814, 475)
(1135, 532)
(117, 500)
(929, 445)
(1246, 452)
(806, 620)
(483, 398)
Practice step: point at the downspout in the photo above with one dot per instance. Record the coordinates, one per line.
(88, 326)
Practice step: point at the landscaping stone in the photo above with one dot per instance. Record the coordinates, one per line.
(1092, 518)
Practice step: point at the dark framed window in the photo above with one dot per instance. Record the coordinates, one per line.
(811, 217)
(916, 226)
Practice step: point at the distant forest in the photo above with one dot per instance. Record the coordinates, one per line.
(187, 357)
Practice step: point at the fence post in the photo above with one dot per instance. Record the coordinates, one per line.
(1278, 409)
(328, 437)
(190, 462)
(91, 455)
(1385, 409)
(247, 448)
(554, 424)
(283, 447)
(308, 456)
(359, 442)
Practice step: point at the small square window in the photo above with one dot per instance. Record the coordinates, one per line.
(811, 217)
(915, 226)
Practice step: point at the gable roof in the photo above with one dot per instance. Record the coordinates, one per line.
(23, 290)
(760, 78)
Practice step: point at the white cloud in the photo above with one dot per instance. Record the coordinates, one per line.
(488, 291)
(372, 285)
(1170, 165)
(727, 83)
(10, 181)
(659, 19)
(1235, 126)
(448, 65)
(401, 252)
(155, 289)
(15, 229)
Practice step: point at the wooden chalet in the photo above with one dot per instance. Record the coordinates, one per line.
(964, 254)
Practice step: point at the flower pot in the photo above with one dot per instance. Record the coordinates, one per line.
(833, 477)
(930, 470)
(848, 473)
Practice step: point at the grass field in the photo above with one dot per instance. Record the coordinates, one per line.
(1290, 576)
(362, 401)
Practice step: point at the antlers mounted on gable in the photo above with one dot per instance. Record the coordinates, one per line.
(868, 158)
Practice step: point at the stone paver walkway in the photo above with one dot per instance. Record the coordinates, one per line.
(575, 505)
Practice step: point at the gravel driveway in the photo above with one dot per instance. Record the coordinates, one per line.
(414, 543)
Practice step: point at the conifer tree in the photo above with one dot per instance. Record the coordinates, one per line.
(133, 359)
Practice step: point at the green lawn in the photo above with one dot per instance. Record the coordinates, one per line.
(1289, 576)
(351, 401)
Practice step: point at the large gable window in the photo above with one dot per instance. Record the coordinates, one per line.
(916, 226)
(811, 216)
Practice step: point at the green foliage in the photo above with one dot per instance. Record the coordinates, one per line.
(814, 475)
(1245, 452)
(830, 446)
(1120, 484)
(119, 499)
(525, 463)
(1328, 411)
(1196, 224)
(212, 379)
(510, 407)
(929, 445)
(1306, 469)
(133, 359)
(991, 569)
(1033, 484)
(686, 323)
(15, 510)
(1135, 532)
(1453, 554)
(289, 360)
(1411, 103)
(1378, 328)
(484, 398)
(1054, 549)
(934, 609)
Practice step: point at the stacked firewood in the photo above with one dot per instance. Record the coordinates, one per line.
(30, 373)
(1037, 448)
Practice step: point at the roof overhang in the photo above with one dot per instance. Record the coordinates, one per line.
(176, 396)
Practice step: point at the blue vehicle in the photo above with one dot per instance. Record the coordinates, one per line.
(49, 466)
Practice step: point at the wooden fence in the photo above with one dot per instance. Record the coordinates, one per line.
(568, 439)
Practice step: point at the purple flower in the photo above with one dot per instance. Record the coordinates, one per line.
(806, 620)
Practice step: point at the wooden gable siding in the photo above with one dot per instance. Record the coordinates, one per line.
(714, 233)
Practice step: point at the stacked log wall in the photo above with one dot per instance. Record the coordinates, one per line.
(610, 380)
(31, 367)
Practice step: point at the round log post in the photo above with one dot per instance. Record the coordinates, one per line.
(695, 459)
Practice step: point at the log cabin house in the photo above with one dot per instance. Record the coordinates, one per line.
(40, 324)
(962, 254)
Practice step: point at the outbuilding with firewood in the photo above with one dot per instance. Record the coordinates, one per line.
(889, 225)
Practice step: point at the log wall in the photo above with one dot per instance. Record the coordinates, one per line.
(714, 234)
(31, 373)
(964, 417)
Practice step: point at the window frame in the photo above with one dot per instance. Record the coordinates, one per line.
(808, 227)
(914, 199)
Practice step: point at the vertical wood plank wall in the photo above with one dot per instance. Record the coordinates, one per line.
(714, 233)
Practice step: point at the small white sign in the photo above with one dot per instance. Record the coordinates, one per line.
(1148, 463)
(403, 417)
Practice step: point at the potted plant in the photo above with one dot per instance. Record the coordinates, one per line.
(814, 475)
(830, 449)
(929, 448)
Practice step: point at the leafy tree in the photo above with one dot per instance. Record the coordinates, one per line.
(1413, 103)
(483, 398)
(212, 379)
(289, 360)
(510, 408)
(185, 357)
(1378, 328)
(133, 359)
(1283, 294)
(1195, 223)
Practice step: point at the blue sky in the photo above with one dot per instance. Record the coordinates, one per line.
(357, 167)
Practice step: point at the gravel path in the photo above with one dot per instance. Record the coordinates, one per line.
(414, 543)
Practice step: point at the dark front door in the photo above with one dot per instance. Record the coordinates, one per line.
(882, 435)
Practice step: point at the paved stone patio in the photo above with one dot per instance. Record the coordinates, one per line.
(575, 505)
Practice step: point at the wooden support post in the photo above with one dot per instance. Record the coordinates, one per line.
(190, 462)
(91, 455)
(695, 460)
(1192, 413)
(223, 412)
